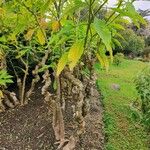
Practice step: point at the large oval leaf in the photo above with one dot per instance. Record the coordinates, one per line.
(62, 63)
(40, 36)
(102, 57)
(103, 31)
(29, 34)
(55, 26)
(75, 54)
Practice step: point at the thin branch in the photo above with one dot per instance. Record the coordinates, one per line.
(24, 81)
(100, 7)
(89, 23)
(113, 13)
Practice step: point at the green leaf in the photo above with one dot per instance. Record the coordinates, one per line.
(40, 36)
(62, 63)
(130, 12)
(21, 24)
(119, 35)
(75, 54)
(5, 78)
(103, 31)
(22, 53)
(45, 67)
(73, 6)
(116, 42)
(118, 26)
(102, 57)
(122, 20)
(29, 34)
(3, 39)
(48, 3)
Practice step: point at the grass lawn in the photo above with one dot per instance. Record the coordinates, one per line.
(123, 132)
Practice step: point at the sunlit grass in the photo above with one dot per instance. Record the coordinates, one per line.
(122, 131)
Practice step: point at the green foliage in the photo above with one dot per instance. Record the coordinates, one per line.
(123, 131)
(72, 57)
(103, 31)
(132, 43)
(5, 78)
(143, 87)
(130, 12)
(65, 26)
(62, 63)
(38, 34)
(146, 53)
(147, 41)
(75, 54)
(118, 59)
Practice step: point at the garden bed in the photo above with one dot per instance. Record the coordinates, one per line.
(30, 127)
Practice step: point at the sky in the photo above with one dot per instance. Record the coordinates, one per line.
(138, 5)
(142, 5)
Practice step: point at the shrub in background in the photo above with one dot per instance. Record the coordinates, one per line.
(146, 53)
(147, 41)
(132, 43)
(118, 58)
(143, 87)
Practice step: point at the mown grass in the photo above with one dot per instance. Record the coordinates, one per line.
(122, 131)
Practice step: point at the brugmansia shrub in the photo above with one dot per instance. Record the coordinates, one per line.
(143, 87)
(132, 43)
(57, 40)
(118, 58)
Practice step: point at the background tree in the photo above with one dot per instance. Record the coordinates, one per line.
(132, 43)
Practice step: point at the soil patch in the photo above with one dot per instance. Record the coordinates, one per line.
(30, 127)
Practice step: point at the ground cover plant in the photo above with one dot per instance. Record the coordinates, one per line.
(56, 41)
(142, 85)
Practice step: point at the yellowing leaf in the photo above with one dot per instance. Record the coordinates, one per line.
(111, 54)
(29, 34)
(75, 53)
(41, 37)
(103, 61)
(116, 42)
(100, 60)
(2, 12)
(43, 23)
(12, 37)
(1, 94)
(106, 61)
(55, 26)
(62, 63)
(118, 26)
(103, 58)
(120, 36)
(1, 54)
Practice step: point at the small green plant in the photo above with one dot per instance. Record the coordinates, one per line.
(118, 58)
(142, 85)
(5, 78)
